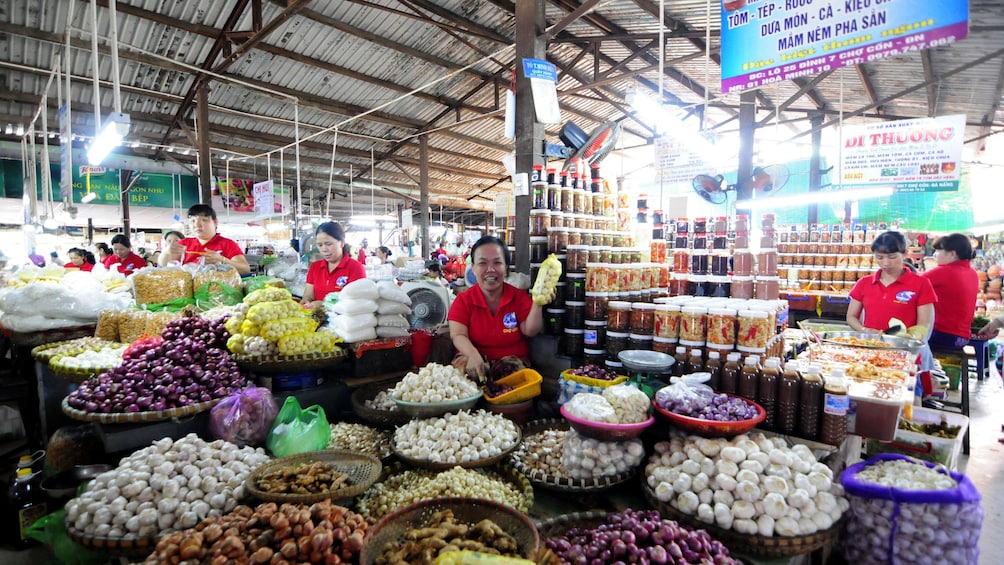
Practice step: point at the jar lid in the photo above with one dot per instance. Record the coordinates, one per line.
(562, 256)
(597, 294)
(596, 323)
(753, 314)
(642, 306)
(639, 337)
(576, 275)
(663, 307)
(576, 246)
(557, 229)
(699, 252)
(724, 279)
(768, 279)
(539, 239)
(614, 364)
(657, 339)
(737, 278)
(694, 310)
(768, 250)
(619, 305)
(561, 283)
(555, 310)
(574, 331)
(574, 303)
(698, 278)
(722, 311)
(743, 250)
(595, 351)
(539, 211)
(615, 335)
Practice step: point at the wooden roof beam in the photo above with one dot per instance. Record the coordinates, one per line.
(930, 82)
(868, 84)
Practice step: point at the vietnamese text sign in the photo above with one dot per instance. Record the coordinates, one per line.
(675, 163)
(914, 155)
(264, 198)
(766, 41)
(543, 78)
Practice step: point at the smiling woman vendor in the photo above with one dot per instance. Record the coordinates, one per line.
(492, 319)
(334, 270)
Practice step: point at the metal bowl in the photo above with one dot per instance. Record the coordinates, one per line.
(893, 342)
(646, 361)
(66, 483)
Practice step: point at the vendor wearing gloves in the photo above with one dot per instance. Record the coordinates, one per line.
(206, 246)
(123, 258)
(334, 270)
(492, 319)
(892, 293)
(956, 284)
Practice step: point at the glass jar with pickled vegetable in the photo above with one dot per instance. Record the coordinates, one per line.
(755, 331)
(721, 328)
(618, 316)
(681, 261)
(579, 201)
(567, 200)
(577, 258)
(678, 285)
(540, 222)
(667, 321)
(596, 305)
(642, 318)
(616, 342)
(574, 236)
(693, 325)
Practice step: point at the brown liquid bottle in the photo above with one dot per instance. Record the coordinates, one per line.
(810, 402)
(766, 392)
(695, 363)
(729, 381)
(749, 377)
(787, 399)
(836, 403)
(680, 363)
(714, 366)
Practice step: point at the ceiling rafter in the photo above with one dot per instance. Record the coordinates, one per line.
(866, 82)
(931, 83)
(988, 119)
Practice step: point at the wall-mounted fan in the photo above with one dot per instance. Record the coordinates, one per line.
(430, 302)
(764, 181)
(591, 148)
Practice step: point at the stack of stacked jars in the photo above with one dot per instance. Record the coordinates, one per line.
(767, 282)
(701, 258)
(751, 327)
(829, 258)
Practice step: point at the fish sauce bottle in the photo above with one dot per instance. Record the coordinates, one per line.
(836, 403)
(729, 382)
(26, 503)
(766, 392)
(810, 402)
(695, 363)
(749, 377)
(787, 399)
(680, 363)
(714, 366)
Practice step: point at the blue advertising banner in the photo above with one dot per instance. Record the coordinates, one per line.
(767, 41)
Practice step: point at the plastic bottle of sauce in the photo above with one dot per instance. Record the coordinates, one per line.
(714, 366)
(729, 381)
(766, 391)
(695, 363)
(787, 399)
(811, 402)
(680, 365)
(835, 405)
(749, 377)
(26, 502)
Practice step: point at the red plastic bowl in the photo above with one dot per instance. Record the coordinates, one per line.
(605, 431)
(713, 428)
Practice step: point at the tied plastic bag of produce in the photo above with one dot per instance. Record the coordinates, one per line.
(568, 389)
(215, 293)
(684, 397)
(297, 429)
(245, 417)
(51, 530)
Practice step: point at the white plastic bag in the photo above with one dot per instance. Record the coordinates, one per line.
(392, 320)
(391, 307)
(354, 306)
(390, 331)
(363, 288)
(390, 291)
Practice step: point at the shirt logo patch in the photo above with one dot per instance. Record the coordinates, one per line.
(341, 281)
(509, 320)
(905, 296)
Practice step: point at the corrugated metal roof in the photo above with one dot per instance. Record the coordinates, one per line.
(332, 62)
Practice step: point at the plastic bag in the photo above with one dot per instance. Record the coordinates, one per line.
(298, 430)
(245, 417)
(363, 289)
(216, 273)
(567, 389)
(684, 397)
(153, 285)
(346, 305)
(51, 530)
(252, 284)
(592, 407)
(385, 307)
(214, 293)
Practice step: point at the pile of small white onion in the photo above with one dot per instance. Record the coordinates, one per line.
(435, 383)
(165, 486)
(456, 438)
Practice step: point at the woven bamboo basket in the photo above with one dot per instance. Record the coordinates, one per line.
(362, 470)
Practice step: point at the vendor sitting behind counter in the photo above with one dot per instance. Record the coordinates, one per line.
(492, 319)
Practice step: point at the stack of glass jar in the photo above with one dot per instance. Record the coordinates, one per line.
(767, 283)
(824, 257)
(723, 324)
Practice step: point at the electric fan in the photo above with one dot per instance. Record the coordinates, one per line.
(770, 179)
(430, 302)
(710, 188)
(591, 148)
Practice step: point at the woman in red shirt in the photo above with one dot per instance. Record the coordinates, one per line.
(492, 319)
(956, 284)
(334, 270)
(80, 259)
(127, 261)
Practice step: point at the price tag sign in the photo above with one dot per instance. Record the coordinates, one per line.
(543, 84)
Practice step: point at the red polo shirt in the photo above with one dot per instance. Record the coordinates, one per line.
(109, 261)
(956, 286)
(88, 267)
(326, 280)
(126, 266)
(899, 300)
(499, 335)
(226, 247)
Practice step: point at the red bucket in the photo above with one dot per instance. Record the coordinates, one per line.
(421, 345)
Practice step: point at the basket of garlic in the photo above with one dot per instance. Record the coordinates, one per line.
(756, 494)
(77, 368)
(465, 439)
(435, 390)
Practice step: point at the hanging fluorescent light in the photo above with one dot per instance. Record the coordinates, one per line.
(820, 197)
(89, 197)
(115, 128)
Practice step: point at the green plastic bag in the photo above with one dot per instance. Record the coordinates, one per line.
(50, 530)
(297, 430)
(176, 305)
(252, 284)
(215, 293)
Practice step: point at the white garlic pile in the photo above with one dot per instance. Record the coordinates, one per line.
(408, 487)
(89, 359)
(630, 404)
(382, 401)
(907, 475)
(456, 438)
(435, 383)
(540, 454)
(588, 458)
(165, 486)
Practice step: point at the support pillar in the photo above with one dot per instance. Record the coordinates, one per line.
(202, 135)
(423, 181)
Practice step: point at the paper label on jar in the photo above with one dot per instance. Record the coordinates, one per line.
(590, 337)
(836, 404)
